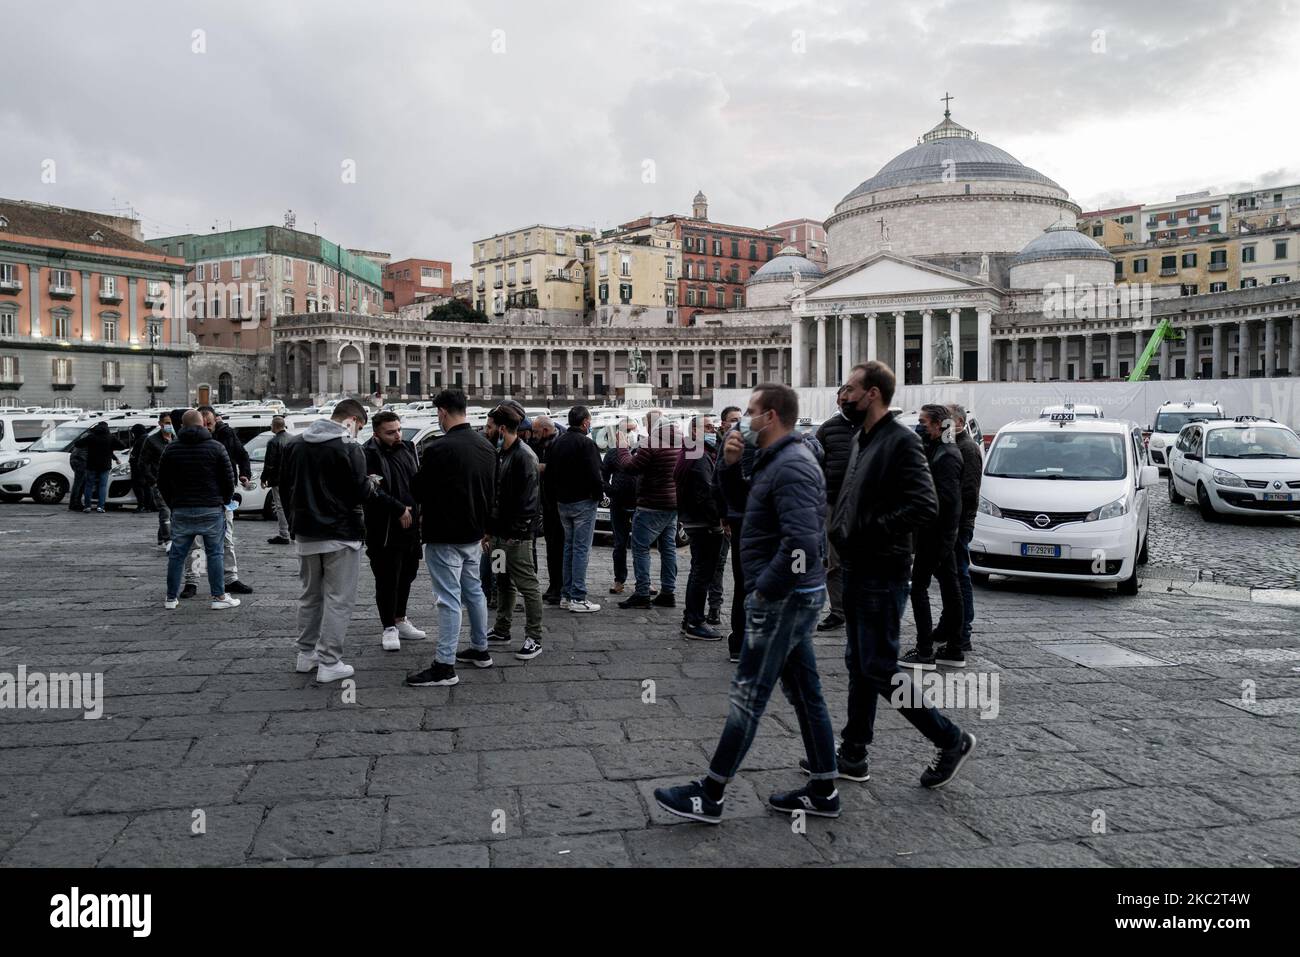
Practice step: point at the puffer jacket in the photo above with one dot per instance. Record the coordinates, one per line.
(195, 472)
(323, 484)
(653, 464)
(517, 510)
(836, 436)
(785, 519)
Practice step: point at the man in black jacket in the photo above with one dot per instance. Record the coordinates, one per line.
(324, 486)
(455, 488)
(836, 438)
(271, 478)
(573, 477)
(697, 509)
(887, 497)
(100, 444)
(620, 489)
(196, 481)
(972, 473)
(224, 434)
(147, 466)
(393, 527)
(143, 497)
(731, 496)
(934, 549)
(516, 513)
(545, 432)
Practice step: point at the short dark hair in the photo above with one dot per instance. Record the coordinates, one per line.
(207, 408)
(163, 415)
(935, 412)
(382, 418)
(505, 418)
(781, 399)
(350, 409)
(451, 400)
(877, 375)
(577, 414)
(727, 411)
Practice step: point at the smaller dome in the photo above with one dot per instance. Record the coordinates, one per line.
(1060, 241)
(700, 197)
(783, 266)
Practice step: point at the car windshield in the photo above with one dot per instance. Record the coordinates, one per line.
(1059, 454)
(1252, 443)
(1174, 421)
(256, 446)
(57, 439)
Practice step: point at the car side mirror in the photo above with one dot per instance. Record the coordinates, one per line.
(1192, 457)
(1149, 476)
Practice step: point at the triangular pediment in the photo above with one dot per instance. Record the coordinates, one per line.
(886, 274)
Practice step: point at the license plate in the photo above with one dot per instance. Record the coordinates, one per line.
(1277, 496)
(1040, 551)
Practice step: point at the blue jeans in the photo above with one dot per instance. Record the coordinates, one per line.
(96, 485)
(873, 608)
(188, 524)
(778, 645)
(454, 570)
(651, 526)
(620, 517)
(578, 519)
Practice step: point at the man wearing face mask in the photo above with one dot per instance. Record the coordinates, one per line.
(698, 511)
(150, 456)
(392, 528)
(836, 438)
(732, 498)
(224, 434)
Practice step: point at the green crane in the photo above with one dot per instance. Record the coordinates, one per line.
(1165, 330)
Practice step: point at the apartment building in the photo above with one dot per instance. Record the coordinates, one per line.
(632, 275)
(532, 276)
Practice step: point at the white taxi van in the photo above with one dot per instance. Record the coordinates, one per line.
(1241, 466)
(1170, 418)
(1064, 498)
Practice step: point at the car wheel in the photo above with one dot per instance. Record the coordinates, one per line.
(1143, 555)
(979, 578)
(1129, 586)
(1207, 507)
(1175, 497)
(49, 489)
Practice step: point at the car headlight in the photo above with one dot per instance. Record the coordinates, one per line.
(120, 470)
(1111, 510)
(1156, 442)
(10, 464)
(1227, 478)
(988, 508)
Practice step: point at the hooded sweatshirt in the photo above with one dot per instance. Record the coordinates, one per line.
(322, 487)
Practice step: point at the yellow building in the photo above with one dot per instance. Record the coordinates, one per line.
(533, 275)
(632, 275)
(1209, 263)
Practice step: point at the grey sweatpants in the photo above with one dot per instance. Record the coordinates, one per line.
(329, 592)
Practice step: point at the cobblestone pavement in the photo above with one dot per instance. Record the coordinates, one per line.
(1262, 552)
(1161, 760)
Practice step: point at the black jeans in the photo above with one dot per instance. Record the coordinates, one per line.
(553, 531)
(706, 545)
(620, 517)
(395, 568)
(738, 591)
(939, 565)
(873, 608)
(78, 490)
(961, 558)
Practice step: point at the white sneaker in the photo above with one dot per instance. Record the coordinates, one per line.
(408, 631)
(328, 673)
(164, 546)
(225, 601)
(583, 606)
(307, 660)
(390, 640)
(171, 603)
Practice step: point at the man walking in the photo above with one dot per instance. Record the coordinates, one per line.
(836, 437)
(515, 516)
(887, 497)
(654, 463)
(196, 480)
(150, 458)
(620, 489)
(698, 510)
(972, 472)
(323, 485)
(573, 477)
(455, 489)
(545, 433)
(934, 549)
(271, 479)
(224, 434)
(100, 444)
(781, 549)
(392, 527)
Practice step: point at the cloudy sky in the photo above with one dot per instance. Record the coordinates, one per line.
(462, 119)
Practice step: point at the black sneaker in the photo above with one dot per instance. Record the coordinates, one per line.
(690, 801)
(950, 657)
(714, 617)
(635, 601)
(238, 588)
(947, 762)
(189, 591)
(432, 676)
(700, 632)
(277, 540)
(551, 598)
(804, 800)
(495, 635)
(915, 658)
(846, 768)
(530, 650)
(472, 656)
(664, 600)
(831, 622)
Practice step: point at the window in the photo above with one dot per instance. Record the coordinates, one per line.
(432, 276)
(771, 251)
(735, 246)
(288, 305)
(112, 374)
(288, 268)
(237, 268)
(1248, 254)
(311, 274)
(261, 304)
(625, 265)
(528, 272)
(62, 371)
(8, 273)
(603, 264)
(603, 292)
(670, 296)
(510, 275)
(690, 297)
(8, 324)
(668, 269)
(236, 304)
(1168, 265)
(1249, 283)
(8, 368)
(1218, 287)
(561, 248)
(110, 326)
(1119, 269)
(154, 331)
(1279, 248)
(62, 324)
(1189, 260)
(108, 286)
(1218, 257)
(60, 278)
(199, 273)
(1279, 279)
(1097, 231)
(738, 301)
(1187, 289)
(753, 250)
(214, 271)
(625, 292)
(721, 296)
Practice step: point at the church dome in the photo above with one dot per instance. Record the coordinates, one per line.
(1060, 241)
(783, 266)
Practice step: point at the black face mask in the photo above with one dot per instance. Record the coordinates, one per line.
(853, 413)
(922, 432)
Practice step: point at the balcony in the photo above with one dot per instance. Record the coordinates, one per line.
(109, 295)
(11, 285)
(510, 283)
(1194, 218)
(62, 292)
(159, 385)
(1218, 267)
(1214, 216)
(155, 299)
(497, 284)
(527, 280)
(112, 383)
(64, 384)
(11, 381)
(480, 287)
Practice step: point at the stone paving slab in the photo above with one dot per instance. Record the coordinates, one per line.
(553, 762)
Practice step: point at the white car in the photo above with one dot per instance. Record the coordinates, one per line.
(1080, 411)
(1241, 466)
(43, 471)
(19, 430)
(1170, 419)
(1064, 499)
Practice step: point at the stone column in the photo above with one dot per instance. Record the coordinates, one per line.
(1112, 369)
(85, 307)
(381, 374)
(568, 370)
(1190, 351)
(717, 369)
(1039, 366)
(1165, 350)
(796, 353)
(1243, 349)
(445, 371)
(1270, 348)
(34, 297)
(821, 352)
(984, 341)
(846, 347)
(404, 375)
(927, 346)
(677, 372)
(1139, 346)
(1063, 358)
(133, 311)
(1216, 350)
(871, 336)
(900, 347)
(1293, 366)
(954, 333)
